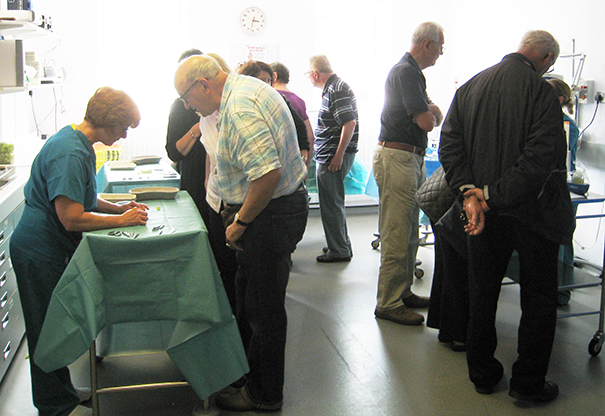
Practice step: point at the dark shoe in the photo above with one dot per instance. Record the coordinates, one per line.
(401, 315)
(326, 249)
(241, 401)
(326, 258)
(489, 388)
(416, 301)
(548, 393)
(485, 389)
(457, 346)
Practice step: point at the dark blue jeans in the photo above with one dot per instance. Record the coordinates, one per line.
(262, 277)
(489, 255)
(53, 393)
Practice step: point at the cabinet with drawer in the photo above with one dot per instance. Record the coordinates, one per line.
(12, 325)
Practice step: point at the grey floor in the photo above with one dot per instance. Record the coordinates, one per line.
(342, 361)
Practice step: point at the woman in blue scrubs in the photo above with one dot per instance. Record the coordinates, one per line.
(60, 203)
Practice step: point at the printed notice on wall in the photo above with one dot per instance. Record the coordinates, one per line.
(257, 52)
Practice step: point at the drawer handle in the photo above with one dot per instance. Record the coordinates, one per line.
(2, 258)
(2, 237)
(3, 300)
(7, 351)
(5, 320)
(3, 278)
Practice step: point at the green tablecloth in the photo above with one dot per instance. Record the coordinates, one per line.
(167, 277)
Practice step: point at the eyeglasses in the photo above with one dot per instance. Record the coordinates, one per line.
(182, 97)
(441, 48)
(308, 74)
(552, 61)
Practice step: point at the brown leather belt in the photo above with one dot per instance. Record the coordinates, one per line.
(403, 146)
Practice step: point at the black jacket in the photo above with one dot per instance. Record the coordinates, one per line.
(504, 130)
(193, 166)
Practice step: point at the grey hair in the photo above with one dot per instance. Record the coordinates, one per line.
(427, 31)
(541, 41)
(201, 66)
(320, 64)
(221, 62)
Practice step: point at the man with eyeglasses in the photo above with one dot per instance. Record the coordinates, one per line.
(407, 116)
(260, 175)
(504, 151)
(334, 151)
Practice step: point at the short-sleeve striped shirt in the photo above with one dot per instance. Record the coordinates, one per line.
(256, 135)
(338, 106)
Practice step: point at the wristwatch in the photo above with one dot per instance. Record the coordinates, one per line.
(240, 222)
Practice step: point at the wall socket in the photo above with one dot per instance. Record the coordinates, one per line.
(599, 97)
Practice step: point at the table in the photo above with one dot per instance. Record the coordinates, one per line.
(122, 181)
(170, 277)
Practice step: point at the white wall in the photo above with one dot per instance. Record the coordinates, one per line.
(134, 45)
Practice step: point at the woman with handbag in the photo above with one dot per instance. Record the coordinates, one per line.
(448, 308)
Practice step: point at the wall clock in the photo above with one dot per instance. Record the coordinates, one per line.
(253, 20)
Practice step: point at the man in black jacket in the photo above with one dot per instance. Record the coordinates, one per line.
(503, 148)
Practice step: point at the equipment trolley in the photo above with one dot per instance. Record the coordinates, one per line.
(594, 347)
(578, 274)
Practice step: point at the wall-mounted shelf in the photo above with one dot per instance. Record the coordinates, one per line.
(10, 90)
(14, 29)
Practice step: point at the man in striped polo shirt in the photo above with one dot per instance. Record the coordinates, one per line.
(334, 152)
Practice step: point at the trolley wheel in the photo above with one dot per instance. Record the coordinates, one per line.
(594, 347)
(376, 243)
(419, 273)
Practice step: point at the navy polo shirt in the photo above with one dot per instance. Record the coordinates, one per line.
(405, 96)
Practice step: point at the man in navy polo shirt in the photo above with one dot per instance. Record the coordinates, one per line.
(407, 116)
(334, 152)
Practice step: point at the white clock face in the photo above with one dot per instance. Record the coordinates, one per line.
(253, 20)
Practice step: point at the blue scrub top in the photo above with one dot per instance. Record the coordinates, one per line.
(66, 166)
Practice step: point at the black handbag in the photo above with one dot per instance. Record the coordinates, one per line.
(435, 197)
(451, 227)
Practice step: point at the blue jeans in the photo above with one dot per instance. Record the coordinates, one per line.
(262, 277)
(53, 394)
(331, 192)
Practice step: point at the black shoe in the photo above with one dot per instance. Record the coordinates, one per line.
(457, 346)
(485, 389)
(240, 401)
(488, 388)
(548, 393)
(326, 258)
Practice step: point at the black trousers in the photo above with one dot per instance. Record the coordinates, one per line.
(261, 281)
(449, 305)
(489, 255)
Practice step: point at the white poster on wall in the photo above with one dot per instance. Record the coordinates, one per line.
(255, 52)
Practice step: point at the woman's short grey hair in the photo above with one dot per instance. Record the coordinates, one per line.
(427, 31)
(541, 41)
(282, 72)
(320, 64)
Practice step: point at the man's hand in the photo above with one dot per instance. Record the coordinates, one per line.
(233, 234)
(475, 208)
(336, 163)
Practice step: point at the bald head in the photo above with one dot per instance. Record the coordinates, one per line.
(194, 67)
(199, 81)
